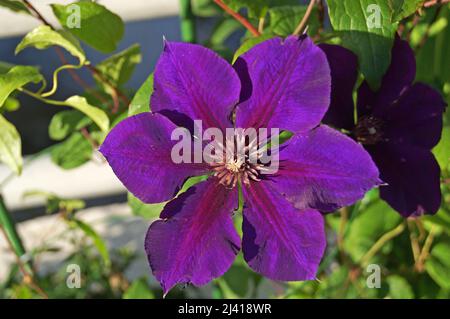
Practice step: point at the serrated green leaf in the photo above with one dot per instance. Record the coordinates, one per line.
(43, 37)
(139, 289)
(10, 146)
(119, 67)
(141, 100)
(67, 122)
(97, 115)
(96, 239)
(399, 288)
(16, 78)
(438, 264)
(366, 228)
(284, 20)
(73, 152)
(250, 43)
(361, 33)
(16, 6)
(98, 27)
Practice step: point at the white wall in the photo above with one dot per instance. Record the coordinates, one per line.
(13, 24)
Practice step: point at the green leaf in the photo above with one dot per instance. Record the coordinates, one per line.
(98, 27)
(11, 104)
(5, 67)
(222, 31)
(442, 150)
(73, 152)
(16, 6)
(257, 8)
(399, 288)
(96, 239)
(152, 211)
(67, 122)
(404, 8)
(433, 66)
(147, 211)
(284, 20)
(43, 37)
(205, 8)
(141, 100)
(250, 43)
(139, 289)
(238, 282)
(370, 41)
(55, 203)
(97, 115)
(441, 220)
(16, 78)
(10, 146)
(119, 67)
(366, 228)
(438, 264)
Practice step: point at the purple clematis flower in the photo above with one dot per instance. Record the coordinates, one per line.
(399, 125)
(279, 83)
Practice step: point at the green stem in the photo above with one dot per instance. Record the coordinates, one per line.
(55, 78)
(188, 33)
(7, 224)
(380, 243)
(40, 98)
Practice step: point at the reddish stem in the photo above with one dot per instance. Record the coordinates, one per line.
(434, 2)
(238, 17)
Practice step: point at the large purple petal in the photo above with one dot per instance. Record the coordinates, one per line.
(198, 242)
(412, 175)
(416, 117)
(324, 169)
(398, 77)
(286, 85)
(344, 72)
(193, 81)
(279, 241)
(139, 151)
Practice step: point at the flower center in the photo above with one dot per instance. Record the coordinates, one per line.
(368, 130)
(239, 161)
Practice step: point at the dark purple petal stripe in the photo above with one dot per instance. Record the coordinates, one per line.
(194, 81)
(198, 242)
(324, 170)
(290, 85)
(139, 151)
(279, 241)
